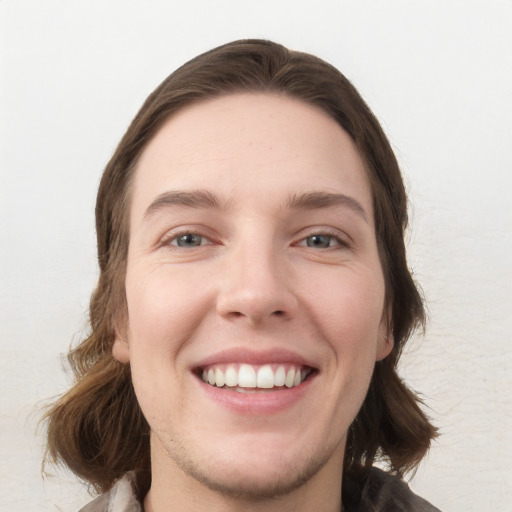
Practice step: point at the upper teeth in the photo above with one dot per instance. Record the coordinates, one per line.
(249, 376)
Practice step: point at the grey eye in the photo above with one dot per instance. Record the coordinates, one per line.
(321, 241)
(189, 240)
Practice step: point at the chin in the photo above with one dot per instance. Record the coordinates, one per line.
(258, 474)
(257, 483)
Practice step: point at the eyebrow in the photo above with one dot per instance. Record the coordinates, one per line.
(190, 199)
(317, 200)
(206, 199)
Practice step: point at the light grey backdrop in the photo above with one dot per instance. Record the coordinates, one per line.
(437, 73)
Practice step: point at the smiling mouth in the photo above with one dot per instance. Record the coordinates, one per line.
(247, 378)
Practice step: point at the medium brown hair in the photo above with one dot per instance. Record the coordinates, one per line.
(97, 428)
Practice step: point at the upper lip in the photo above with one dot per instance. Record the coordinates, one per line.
(255, 357)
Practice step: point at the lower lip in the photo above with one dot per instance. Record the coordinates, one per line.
(257, 403)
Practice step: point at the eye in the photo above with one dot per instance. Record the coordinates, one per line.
(189, 240)
(328, 240)
(320, 241)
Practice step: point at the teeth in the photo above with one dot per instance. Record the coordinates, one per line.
(220, 380)
(265, 377)
(280, 376)
(231, 377)
(290, 378)
(248, 376)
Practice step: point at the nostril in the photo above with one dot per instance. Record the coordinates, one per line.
(278, 313)
(237, 313)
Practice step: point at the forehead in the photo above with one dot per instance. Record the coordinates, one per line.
(262, 143)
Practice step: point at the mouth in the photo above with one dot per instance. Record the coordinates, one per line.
(248, 378)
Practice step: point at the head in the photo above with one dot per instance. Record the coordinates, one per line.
(389, 423)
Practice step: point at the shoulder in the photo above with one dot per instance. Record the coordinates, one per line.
(121, 498)
(383, 492)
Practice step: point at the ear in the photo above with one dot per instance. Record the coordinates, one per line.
(120, 350)
(386, 340)
(121, 347)
(385, 347)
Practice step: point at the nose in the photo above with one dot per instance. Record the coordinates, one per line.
(256, 286)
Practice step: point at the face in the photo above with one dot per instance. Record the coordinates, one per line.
(255, 294)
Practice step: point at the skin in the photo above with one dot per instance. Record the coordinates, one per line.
(266, 276)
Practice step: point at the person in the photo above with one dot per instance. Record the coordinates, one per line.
(253, 301)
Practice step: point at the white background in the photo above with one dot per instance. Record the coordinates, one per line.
(438, 74)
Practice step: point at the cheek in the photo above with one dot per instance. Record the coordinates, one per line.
(163, 310)
(163, 313)
(349, 304)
